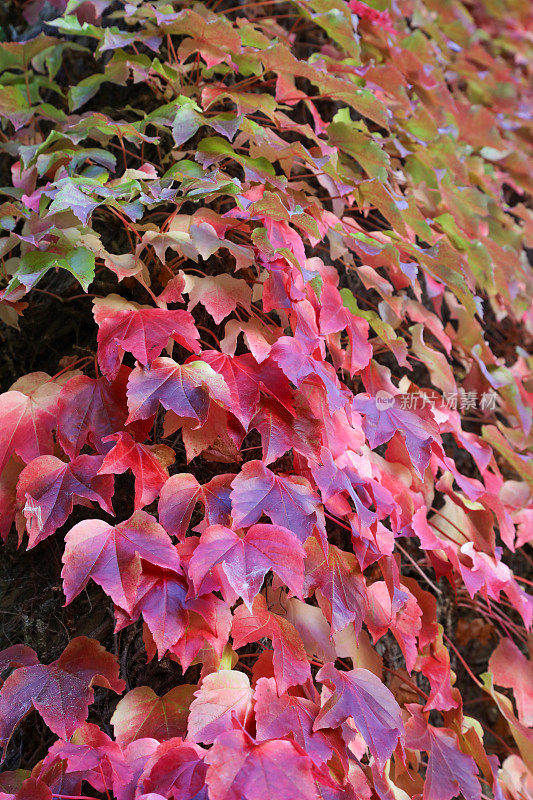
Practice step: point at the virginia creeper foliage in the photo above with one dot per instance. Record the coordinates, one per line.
(302, 423)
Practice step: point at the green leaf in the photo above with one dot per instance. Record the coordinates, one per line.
(81, 264)
(185, 124)
(85, 89)
(521, 464)
(361, 147)
(116, 72)
(14, 105)
(20, 54)
(35, 264)
(69, 23)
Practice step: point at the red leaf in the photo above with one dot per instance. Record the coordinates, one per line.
(513, 670)
(140, 330)
(341, 584)
(215, 496)
(291, 666)
(28, 412)
(112, 768)
(91, 409)
(218, 439)
(449, 772)
(18, 655)
(142, 714)
(280, 431)
(245, 379)
(288, 500)
(176, 767)
(277, 716)
(31, 789)
(182, 492)
(219, 294)
(61, 692)
(8, 495)
(185, 389)
(361, 695)
(221, 696)
(208, 627)
(111, 556)
(379, 18)
(161, 599)
(177, 501)
(53, 771)
(247, 560)
(93, 756)
(48, 488)
(240, 769)
(404, 623)
(243, 387)
(434, 663)
(298, 364)
(148, 463)
(334, 317)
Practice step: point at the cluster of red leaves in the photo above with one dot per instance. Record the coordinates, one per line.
(360, 209)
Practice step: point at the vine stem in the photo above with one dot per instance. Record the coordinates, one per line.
(104, 782)
(418, 568)
(497, 737)
(412, 685)
(212, 333)
(463, 662)
(70, 366)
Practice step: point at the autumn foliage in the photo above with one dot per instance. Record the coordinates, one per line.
(291, 443)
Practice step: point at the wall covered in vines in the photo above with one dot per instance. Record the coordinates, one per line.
(266, 488)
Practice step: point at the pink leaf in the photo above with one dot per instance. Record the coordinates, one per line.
(246, 560)
(111, 556)
(221, 696)
(28, 413)
(140, 330)
(513, 670)
(176, 766)
(148, 463)
(279, 716)
(291, 666)
(361, 695)
(240, 769)
(61, 692)
(450, 772)
(185, 389)
(288, 500)
(48, 488)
